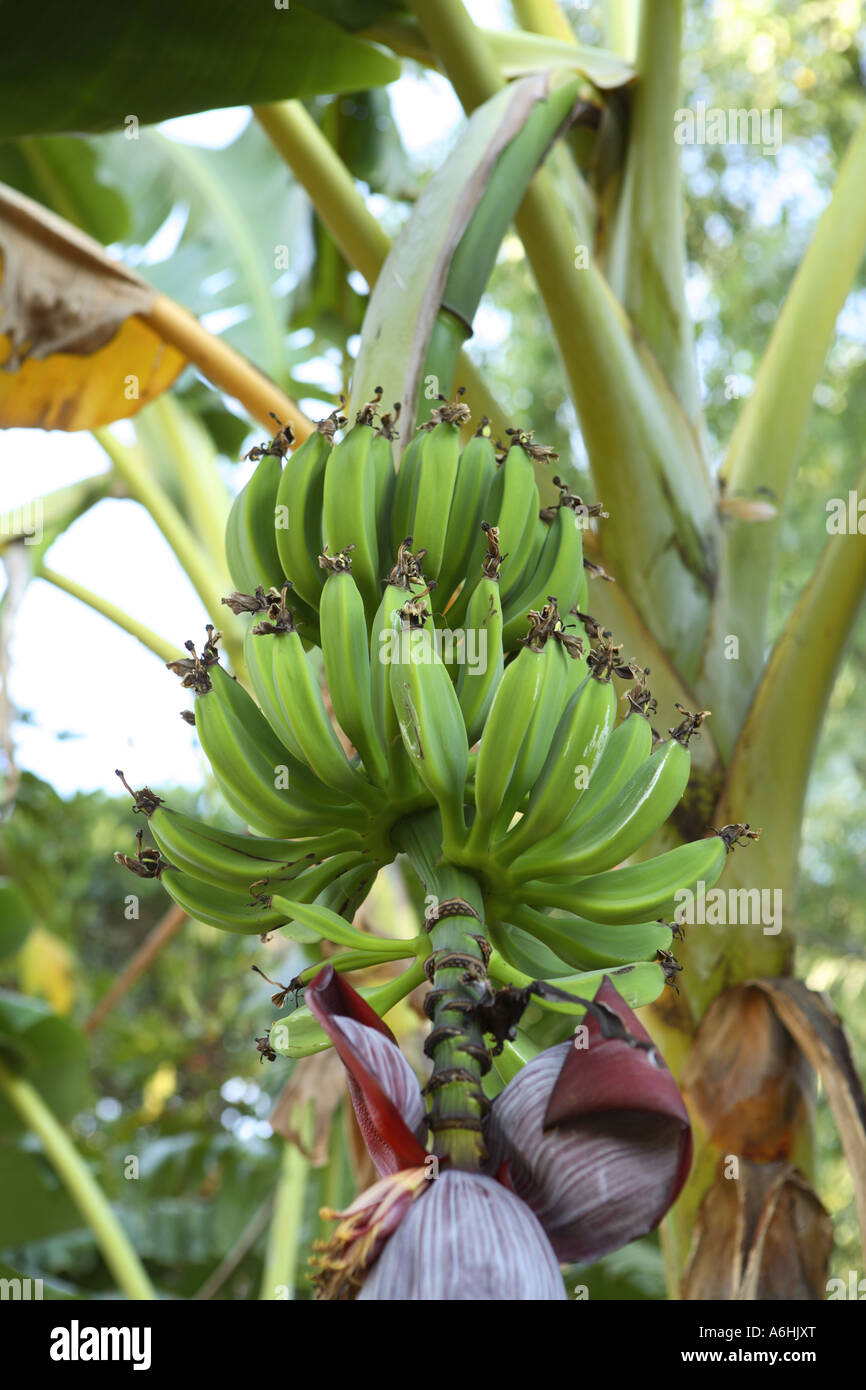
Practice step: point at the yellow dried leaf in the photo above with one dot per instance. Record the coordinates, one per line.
(75, 349)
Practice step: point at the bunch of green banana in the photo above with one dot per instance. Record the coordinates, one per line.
(287, 686)
(582, 944)
(256, 912)
(620, 828)
(558, 793)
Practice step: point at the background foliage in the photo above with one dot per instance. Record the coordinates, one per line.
(174, 1075)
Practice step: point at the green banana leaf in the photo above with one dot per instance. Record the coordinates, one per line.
(48, 1051)
(426, 296)
(33, 1205)
(16, 919)
(66, 174)
(100, 64)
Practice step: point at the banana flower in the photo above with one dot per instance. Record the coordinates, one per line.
(589, 1145)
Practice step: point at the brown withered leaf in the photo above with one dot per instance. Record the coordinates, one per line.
(76, 350)
(746, 1077)
(760, 1236)
(322, 1081)
(817, 1030)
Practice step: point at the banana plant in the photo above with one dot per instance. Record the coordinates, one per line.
(531, 931)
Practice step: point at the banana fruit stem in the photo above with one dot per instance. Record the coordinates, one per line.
(457, 969)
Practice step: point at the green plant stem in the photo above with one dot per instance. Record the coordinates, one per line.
(226, 369)
(341, 208)
(284, 1238)
(456, 1043)
(193, 459)
(143, 486)
(53, 512)
(621, 27)
(768, 775)
(765, 447)
(643, 451)
(646, 259)
(89, 1198)
(329, 184)
(543, 17)
(160, 646)
(207, 580)
(462, 48)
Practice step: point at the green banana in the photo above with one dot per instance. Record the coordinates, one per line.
(476, 687)
(259, 658)
(591, 945)
(353, 482)
(220, 856)
(525, 952)
(639, 892)
(404, 581)
(629, 745)
(515, 739)
(501, 741)
(521, 533)
(404, 488)
(476, 469)
(559, 571)
(346, 894)
(251, 546)
(639, 983)
(249, 760)
(382, 456)
(248, 913)
(614, 834)
(304, 709)
(219, 906)
(346, 651)
(430, 507)
(543, 717)
(575, 750)
(298, 515)
(431, 723)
